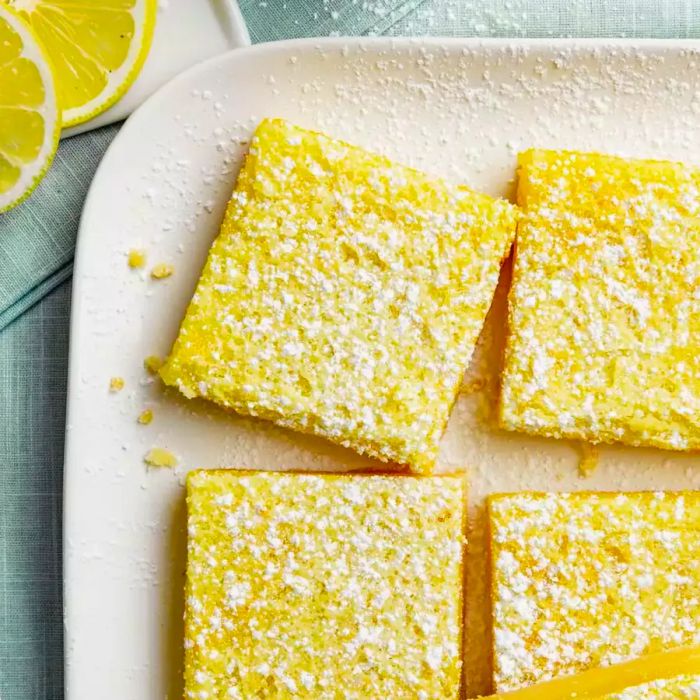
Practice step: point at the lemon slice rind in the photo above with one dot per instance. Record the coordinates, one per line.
(31, 173)
(52, 22)
(125, 75)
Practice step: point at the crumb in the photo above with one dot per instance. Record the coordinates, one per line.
(473, 386)
(145, 417)
(158, 457)
(161, 271)
(116, 384)
(137, 258)
(153, 363)
(589, 459)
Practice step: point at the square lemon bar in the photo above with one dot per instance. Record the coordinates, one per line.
(343, 297)
(604, 313)
(323, 586)
(582, 580)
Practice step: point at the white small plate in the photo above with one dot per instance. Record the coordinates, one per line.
(461, 109)
(187, 32)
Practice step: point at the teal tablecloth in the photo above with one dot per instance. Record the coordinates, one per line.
(36, 245)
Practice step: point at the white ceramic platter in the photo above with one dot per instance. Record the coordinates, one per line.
(460, 109)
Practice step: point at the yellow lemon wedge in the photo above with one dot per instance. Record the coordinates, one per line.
(30, 121)
(97, 48)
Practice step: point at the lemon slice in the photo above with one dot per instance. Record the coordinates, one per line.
(97, 48)
(29, 113)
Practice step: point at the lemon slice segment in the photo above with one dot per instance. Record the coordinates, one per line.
(29, 114)
(97, 48)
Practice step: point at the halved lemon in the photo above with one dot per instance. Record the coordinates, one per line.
(29, 115)
(97, 48)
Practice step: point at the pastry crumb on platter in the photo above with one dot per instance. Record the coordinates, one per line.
(589, 458)
(116, 384)
(162, 271)
(159, 457)
(145, 417)
(136, 258)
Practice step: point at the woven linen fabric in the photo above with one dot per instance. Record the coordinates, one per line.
(36, 249)
(33, 358)
(282, 19)
(37, 238)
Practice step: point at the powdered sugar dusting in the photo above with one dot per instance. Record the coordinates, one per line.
(582, 580)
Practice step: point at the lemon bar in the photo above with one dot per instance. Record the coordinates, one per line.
(323, 586)
(604, 313)
(343, 296)
(669, 675)
(588, 579)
